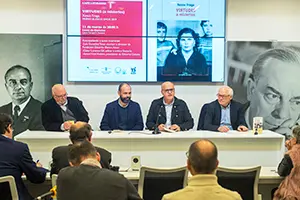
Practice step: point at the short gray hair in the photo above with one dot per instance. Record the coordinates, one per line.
(296, 134)
(288, 54)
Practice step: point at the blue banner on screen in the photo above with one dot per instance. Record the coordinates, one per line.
(146, 40)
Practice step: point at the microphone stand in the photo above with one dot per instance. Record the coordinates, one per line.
(156, 130)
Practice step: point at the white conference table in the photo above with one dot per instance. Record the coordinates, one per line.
(235, 149)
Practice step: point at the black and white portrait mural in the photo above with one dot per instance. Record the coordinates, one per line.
(265, 77)
(30, 64)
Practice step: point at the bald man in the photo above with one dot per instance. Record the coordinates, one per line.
(202, 163)
(24, 109)
(80, 131)
(61, 111)
(169, 112)
(225, 114)
(123, 113)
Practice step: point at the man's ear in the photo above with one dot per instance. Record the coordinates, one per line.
(71, 164)
(250, 88)
(98, 157)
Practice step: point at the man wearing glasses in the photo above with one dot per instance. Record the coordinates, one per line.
(25, 110)
(169, 112)
(225, 114)
(61, 111)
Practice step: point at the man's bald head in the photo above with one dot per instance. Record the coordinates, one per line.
(80, 131)
(59, 94)
(203, 157)
(166, 85)
(168, 91)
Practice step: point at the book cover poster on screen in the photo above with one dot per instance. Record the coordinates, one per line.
(265, 78)
(145, 40)
(30, 65)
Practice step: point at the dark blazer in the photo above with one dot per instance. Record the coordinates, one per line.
(86, 182)
(110, 120)
(202, 117)
(285, 166)
(213, 116)
(30, 117)
(180, 114)
(15, 159)
(60, 158)
(52, 116)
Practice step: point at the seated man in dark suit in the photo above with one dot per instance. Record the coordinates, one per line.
(123, 113)
(169, 112)
(15, 159)
(60, 112)
(87, 180)
(25, 110)
(79, 132)
(225, 114)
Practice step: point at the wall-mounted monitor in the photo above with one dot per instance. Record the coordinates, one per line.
(146, 40)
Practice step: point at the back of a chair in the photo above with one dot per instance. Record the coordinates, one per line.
(154, 183)
(8, 188)
(202, 117)
(244, 181)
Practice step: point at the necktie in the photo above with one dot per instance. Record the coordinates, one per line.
(16, 112)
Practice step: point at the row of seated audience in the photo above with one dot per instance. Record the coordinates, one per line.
(61, 111)
(224, 114)
(87, 177)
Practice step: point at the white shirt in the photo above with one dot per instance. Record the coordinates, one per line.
(22, 106)
(168, 108)
(64, 108)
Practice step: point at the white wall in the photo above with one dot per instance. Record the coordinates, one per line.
(247, 20)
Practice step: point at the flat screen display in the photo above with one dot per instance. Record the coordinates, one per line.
(146, 40)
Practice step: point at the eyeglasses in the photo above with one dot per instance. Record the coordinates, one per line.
(169, 90)
(222, 95)
(61, 96)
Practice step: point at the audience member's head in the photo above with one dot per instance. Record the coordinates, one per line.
(168, 91)
(124, 92)
(18, 83)
(187, 40)
(59, 94)
(82, 151)
(5, 125)
(202, 157)
(161, 31)
(80, 131)
(225, 95)
(296, 136)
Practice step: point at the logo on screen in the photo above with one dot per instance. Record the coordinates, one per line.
(118, 70)
(106, 70)
(133, 70)
(124, 71)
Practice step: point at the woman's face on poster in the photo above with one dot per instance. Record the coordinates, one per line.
(187, 42)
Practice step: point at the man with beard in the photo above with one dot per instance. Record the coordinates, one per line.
(273, 90)
(123, 113)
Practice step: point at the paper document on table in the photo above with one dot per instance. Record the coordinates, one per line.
(169, 130)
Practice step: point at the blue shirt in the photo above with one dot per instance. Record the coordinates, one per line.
(225, 117)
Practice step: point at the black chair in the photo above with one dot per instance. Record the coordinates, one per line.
(202, 117)
(154, 183)
(242, 180)
(8, 188)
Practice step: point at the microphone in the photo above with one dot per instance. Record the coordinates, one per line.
(156, 130)
(52, 192)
